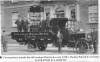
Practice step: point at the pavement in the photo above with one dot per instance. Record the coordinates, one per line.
(16, 49)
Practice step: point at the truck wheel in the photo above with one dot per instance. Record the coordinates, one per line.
(82, 46)
(42, 48)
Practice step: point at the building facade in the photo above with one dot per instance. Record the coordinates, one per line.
(78, 12)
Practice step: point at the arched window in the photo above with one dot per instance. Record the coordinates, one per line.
(14, 18)
(59, 11)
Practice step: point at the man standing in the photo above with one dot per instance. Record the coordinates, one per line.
(60, 37)
(19, 23)
(94, 35)
(25, 25)
(4, 41)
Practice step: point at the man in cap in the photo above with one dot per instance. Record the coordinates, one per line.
(25, 25)
(4, 41)
(94, 35)
(19, 23)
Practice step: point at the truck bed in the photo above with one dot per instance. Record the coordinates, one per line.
(30, 35)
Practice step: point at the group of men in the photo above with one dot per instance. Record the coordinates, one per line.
(22, 25)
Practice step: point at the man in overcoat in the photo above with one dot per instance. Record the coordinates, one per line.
(25, 25)
(19, 24)
(94, 35)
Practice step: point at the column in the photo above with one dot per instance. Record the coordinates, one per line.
(67, 12)
(78, 12)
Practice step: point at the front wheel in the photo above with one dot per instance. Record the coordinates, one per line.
(82, 46)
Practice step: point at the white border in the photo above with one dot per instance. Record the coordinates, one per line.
(68, 60)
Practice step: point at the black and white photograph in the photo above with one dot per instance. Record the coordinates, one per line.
(49, 27)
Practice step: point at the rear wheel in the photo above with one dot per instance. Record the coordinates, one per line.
(31, 44)
(42, 46)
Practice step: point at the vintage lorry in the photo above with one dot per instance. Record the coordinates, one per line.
(43, 34)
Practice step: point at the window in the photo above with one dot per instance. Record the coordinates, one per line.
(14, 18)
(93, 14)
(73, 15)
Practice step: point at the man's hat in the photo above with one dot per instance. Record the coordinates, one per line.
(4, 31)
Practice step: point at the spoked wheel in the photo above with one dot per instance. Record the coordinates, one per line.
(42, 47)
(32, 45)
(82, 46)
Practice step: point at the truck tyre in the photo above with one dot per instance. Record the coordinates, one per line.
(82, 46)
(42, 48)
